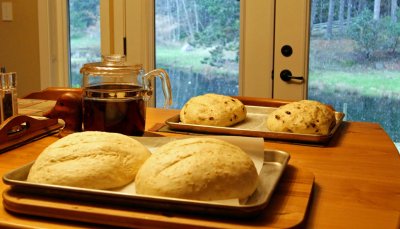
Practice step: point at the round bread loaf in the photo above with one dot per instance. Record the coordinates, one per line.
(213, 110)
(198, 169)
(304, 117)
(90, 159)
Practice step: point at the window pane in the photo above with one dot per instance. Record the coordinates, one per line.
(197, 43)
(84, 35)
(354, 61)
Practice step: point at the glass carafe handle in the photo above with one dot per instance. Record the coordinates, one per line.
(166, 85)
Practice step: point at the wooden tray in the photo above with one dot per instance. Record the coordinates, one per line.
(286, 209)
(21, 129)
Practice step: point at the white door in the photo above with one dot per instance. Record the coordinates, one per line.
(291, 49)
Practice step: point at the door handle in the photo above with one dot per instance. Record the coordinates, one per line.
(287, 76)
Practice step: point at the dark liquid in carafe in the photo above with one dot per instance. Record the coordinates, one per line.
(115, 108)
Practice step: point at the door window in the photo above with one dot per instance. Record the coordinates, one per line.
(197, 43)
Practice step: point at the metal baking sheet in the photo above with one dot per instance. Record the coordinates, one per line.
(274, 164)
(255, 126)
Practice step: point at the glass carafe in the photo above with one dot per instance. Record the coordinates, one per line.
(115, 95)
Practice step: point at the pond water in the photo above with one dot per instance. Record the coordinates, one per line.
(187, 85)
(365, 109)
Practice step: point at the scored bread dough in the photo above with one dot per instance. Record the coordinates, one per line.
(304, 117)
(199, 169)
(90, 159)
(213, 110)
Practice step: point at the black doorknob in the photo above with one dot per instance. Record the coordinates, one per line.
(286, 76)
(286, 50)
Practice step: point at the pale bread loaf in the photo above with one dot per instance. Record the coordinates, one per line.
(213, 110)
(199, 169)
(304, 117)
(90, 159)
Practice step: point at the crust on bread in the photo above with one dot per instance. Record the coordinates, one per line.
(90, 159)
(213, 110)
(304, 117)
(199, 169)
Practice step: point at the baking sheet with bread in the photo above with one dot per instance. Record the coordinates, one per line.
(304, 121)
(101, 166)
(198, 168)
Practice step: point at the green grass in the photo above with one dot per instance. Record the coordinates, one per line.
(371, 83)
(85, 42)
(181, 58)
(188, 60)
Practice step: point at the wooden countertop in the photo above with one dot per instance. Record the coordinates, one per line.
(357, 177)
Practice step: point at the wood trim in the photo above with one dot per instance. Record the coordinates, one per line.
(106, 31)
(61, 46)
(44, 43)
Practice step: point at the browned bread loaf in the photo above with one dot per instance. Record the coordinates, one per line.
(304, 117)
(90, 159)
(213, 110)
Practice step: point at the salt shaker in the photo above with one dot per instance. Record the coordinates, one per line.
(8, 94)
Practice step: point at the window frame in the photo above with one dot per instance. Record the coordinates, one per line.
(53, 43)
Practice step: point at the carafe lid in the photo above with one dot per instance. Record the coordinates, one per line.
(110, 65)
